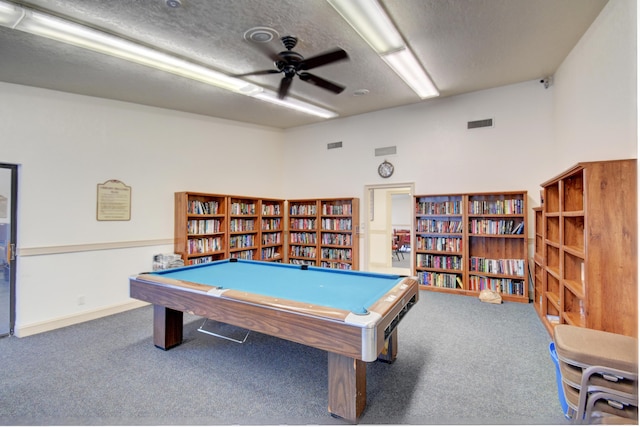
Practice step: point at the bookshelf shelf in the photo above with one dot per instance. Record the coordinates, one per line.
(586, 271)
(469, 242)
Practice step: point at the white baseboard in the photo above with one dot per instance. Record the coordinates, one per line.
(61, 322)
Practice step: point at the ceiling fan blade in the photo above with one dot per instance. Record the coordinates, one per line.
(323, 59)
(257, 73)
(323, 83)
(284, 87)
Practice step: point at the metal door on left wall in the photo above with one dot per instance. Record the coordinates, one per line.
(8, 210)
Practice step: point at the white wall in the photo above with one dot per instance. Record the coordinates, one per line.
(67, 144)
(595, 98)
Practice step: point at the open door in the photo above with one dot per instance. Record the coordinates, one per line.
(8, 210)
(388, 207)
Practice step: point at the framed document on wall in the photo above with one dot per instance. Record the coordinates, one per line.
(114, 201)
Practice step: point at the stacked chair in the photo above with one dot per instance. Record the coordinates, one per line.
(599, 373)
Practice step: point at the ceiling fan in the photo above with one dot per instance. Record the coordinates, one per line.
(293, 64)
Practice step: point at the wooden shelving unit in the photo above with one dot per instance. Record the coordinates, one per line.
(469, 242)
(272, 230)
(200, 227)
(244, 227)
(338, 233)
(303, 232)
(538, 260)
(589, 258)
(318, 232)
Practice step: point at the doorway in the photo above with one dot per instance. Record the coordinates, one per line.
(389, 221)
(8, 213)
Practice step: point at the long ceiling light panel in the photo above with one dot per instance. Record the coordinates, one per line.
(52, 27)
(372, 23)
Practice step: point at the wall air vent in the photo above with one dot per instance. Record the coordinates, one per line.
(486, 123)
(385, 151)
(332, 145)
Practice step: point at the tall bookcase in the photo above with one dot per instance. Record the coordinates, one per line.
(244, 227)
(323, 232)
(303, 232)
(469, 242)
(338, 233)
(272, 230)
(200, 227)
(589, 268)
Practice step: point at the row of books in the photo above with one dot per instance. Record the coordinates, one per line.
(242, 225)
(295, 209)
(203, 226)
(204, 245)
(196, 207)
(491, 226)
(505, 286)
(336, 224)
(243, 208)
(269, 253)
(438, 226)
(447, 262)
(337, 209)
(303, 238)
(242, 241)
(248, 254)
(336, 265)
(442, 280)
(337, 254)
(271, 238)
(302, 251)
(270, 208)
(439, 208)
(510, 267)
(445, 244)
(337, 239)
(496, 207)
(303, 224)
(302, 262)
(271, 224)
(200, 260)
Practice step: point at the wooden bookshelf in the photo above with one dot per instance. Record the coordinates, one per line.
(538, 260)
(272, 230)
(589, 259)
(338, 233)
(244, 227)
(303, 232)
(469, 242)
(200, 227)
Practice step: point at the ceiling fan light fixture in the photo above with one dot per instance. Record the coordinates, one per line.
(407, 67)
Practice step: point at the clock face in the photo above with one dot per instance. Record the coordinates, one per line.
(385, 169)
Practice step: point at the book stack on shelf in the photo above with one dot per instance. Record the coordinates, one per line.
(469, 242)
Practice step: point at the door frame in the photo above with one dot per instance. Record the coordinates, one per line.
(13, 242)
(368, 189)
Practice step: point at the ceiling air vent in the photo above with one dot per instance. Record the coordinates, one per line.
(486, 123)
(333, 145)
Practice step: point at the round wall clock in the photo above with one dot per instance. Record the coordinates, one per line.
(385, 169)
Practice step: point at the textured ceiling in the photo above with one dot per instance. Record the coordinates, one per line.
(465, 45)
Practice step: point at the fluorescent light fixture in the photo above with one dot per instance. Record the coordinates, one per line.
(371, 22)
(406, 66)
(295, 104)
(44, 25)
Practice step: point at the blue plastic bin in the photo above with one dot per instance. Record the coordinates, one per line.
(561, 397)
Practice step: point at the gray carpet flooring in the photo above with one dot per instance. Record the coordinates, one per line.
(460, 361)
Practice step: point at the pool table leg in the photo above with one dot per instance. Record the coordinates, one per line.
(390, 350)
(167, 327)
(347, 386)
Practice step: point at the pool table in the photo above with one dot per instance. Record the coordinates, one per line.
(350, 314)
